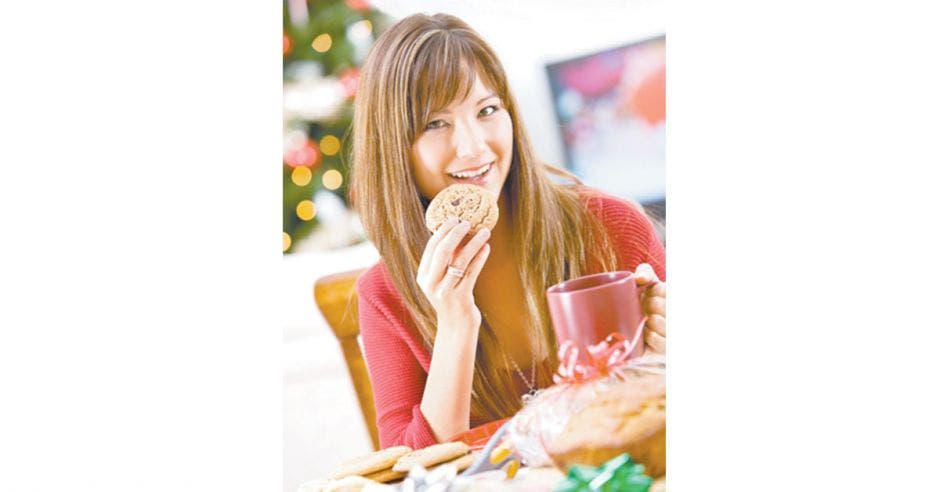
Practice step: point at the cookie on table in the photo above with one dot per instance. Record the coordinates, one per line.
(431, 455)
(387, 475)
(390, 475)
(370, 463)
(466, 202)
(461, 462)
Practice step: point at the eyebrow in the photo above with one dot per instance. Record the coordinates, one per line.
(444, 111)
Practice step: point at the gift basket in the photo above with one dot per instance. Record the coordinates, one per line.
(609, 398)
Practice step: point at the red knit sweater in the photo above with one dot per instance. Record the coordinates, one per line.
(397, 360)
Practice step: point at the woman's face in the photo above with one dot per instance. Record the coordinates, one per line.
(469, 141)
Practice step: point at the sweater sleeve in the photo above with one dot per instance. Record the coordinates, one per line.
(397, 376)
(632, 234)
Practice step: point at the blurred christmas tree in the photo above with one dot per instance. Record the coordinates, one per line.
(325, 42)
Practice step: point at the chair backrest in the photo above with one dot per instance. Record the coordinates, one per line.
(335, 296)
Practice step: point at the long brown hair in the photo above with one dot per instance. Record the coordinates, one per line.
(419, 66)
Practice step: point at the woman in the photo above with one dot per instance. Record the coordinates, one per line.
(445, 351)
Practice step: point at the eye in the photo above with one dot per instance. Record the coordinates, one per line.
(434, 125)
(489, 110)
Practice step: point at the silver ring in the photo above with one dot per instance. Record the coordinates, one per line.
(452, 270)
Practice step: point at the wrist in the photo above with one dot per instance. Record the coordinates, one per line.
(461, 319)
(457, 325)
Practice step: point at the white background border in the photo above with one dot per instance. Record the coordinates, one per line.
(139, 337)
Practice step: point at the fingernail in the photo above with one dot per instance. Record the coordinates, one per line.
(484, 232)
(464, 224)
(452, 221)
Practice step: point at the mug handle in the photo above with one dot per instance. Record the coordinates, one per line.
(638, 338)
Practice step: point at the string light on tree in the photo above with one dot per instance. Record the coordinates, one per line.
(286, 242)
(329, 145)
(301, 176)
(322, 43)
(332, 179)
(306, 210)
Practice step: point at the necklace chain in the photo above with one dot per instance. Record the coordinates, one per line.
(530, 385)
(515, 366)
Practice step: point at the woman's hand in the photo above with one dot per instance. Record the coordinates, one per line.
(450, 294)
(653, 300)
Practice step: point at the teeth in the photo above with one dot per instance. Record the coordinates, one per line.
(465, 175)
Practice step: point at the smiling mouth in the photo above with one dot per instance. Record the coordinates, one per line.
(472, 174)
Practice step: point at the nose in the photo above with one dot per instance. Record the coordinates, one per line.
(469, 140)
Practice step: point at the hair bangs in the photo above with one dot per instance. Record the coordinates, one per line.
(444, 71)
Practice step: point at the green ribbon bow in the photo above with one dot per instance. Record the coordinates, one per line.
(620, 474)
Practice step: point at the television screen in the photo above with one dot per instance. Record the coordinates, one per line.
(611, 107)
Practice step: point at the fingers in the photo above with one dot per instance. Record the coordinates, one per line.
(436, 238)
(469, 250)
(658, 289)
(645, 274)
(655, 305)
(475, 267)
(656, 323)
(655, 342)
(444, 251)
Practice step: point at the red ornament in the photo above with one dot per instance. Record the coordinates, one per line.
(358, 4)
(307, 154)
(350, 80)
(287, 43)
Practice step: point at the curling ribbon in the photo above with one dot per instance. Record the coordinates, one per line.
(612, 355)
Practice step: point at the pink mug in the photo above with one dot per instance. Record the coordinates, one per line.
(587, 309)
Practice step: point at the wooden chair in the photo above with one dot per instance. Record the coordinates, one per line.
(335, 296)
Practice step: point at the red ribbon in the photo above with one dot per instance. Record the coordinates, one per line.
(603, 358)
